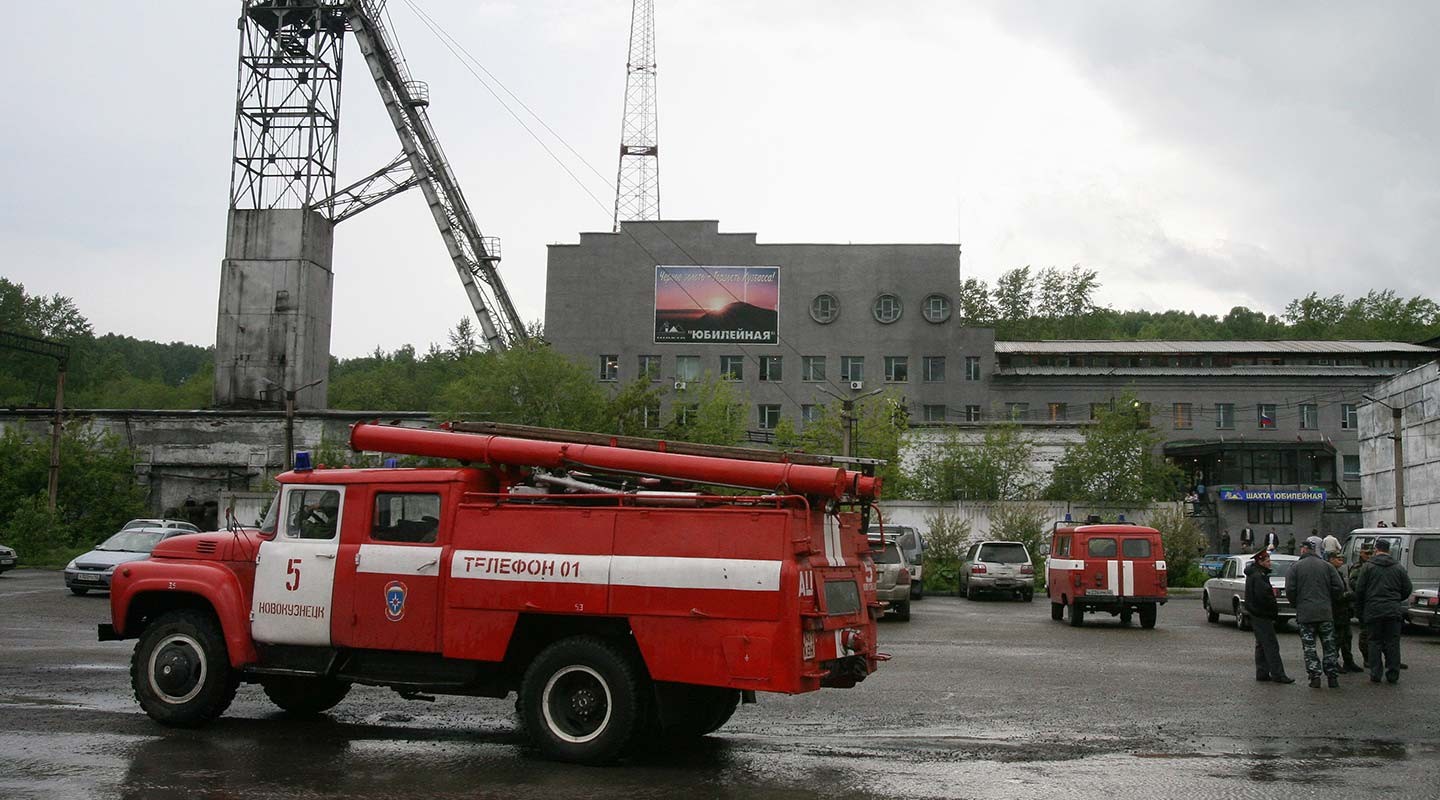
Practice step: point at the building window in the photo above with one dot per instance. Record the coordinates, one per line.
(685, 413)
(1349, 419)
(809, 414)
(687, 368)
(770, 368)
(812, 368)
(852, 368)
(1057, 411)
(1143, 414)
(934, 368)
(972, 413)
(1309, 416)
(1269, 513)
(732, 368)
(1351, 467)
(886, 309)
(769, 416)
(1265, 415)
(824, 309)
(649, 367)
(1016, 411)
(1184, 418)
(1224, 416)
(972, 368)
(609, 368)
(1096, 409)
(933, 413)
(650, 416)
(897, 369)
(937, 308)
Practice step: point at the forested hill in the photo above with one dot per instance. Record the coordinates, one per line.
(115, 371)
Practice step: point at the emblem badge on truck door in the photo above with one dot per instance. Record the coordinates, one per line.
(395, 601)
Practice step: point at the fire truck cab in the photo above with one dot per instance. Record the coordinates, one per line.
(587, 574)
(1115, 568)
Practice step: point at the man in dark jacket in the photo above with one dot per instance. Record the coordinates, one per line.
(1380, 593)
(1352, 579)
(1263, 610)
(1312, 585)
(1341, 613)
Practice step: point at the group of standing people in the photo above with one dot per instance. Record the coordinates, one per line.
(1374, 591)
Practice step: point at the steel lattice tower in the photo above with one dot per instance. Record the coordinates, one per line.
(287, 107)
(637, 185)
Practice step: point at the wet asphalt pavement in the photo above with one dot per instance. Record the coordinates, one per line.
(983, 699)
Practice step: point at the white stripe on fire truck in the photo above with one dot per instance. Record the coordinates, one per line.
(1112, 575)
(834, 554)
(389, 559)
(659, 572)
(1066, 563)
(1128, 569)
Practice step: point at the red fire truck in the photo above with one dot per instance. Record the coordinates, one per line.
(1116, 568)
(586, 573)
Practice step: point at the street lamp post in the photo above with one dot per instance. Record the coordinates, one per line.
(1399, 452)
(847, 417)
(290, 416)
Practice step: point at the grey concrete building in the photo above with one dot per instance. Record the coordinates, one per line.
(788, 322)
(1416, 394)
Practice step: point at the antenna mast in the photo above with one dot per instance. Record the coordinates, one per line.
(637, 186)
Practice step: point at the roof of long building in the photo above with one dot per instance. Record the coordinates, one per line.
(1176, 346)
(1268, 370)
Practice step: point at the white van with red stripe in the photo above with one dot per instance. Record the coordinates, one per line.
(1117, 568)
(590, 575)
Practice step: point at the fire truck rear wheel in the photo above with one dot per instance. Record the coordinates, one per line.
(580, 700)
(1057, 610)
(180, 670)
(1077, 614)
(1148, 613)
(303, 697)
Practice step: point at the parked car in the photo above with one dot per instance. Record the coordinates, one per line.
(8, 558)
(1415, 549)
(1423, 610)
(997, 567)
(1212, 563)
(892, 576)
(1225, 593)
(160, 523)
(912, 544)
(93, 569)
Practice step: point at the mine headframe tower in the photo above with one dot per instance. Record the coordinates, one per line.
(276, 282)
(637, 184)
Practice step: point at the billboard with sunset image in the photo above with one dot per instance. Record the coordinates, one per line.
(717, 304)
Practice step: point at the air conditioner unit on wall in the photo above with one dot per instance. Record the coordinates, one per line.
(857, 385)
(679, 385)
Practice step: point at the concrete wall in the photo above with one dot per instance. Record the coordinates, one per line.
(600, 299)
(273, 326)
(1417, 394)
(189, 458)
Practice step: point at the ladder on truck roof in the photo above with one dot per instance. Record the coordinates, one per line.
(406, 100)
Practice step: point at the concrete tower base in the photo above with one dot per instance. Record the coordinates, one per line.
(274, 320)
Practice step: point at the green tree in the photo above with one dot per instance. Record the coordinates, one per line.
(880, 424)
(1116, 463)
(1022, 522)
(1184, 543)
(1014, 296)
(946, 536)
(974, 302)
(999, 467)
(528, 384)
(98, 492)
(708, 411)
(462, 339)
(635, 409)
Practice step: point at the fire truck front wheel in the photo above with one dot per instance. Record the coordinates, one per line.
(581, 700)
(304, 697)
(180, 671)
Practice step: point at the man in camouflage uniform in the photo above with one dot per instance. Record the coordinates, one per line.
(1350, 580)
(1311, 586)
(1341, 609)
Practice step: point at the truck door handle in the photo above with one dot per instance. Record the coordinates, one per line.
(330, 556)
(427, 565)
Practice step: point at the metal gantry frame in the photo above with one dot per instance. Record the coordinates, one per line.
(287, 125)
(637, 183)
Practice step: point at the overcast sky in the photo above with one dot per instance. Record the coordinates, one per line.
(1198, 155)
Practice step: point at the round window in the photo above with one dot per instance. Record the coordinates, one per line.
(824, 308)
(887, 308)
(937, 308)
